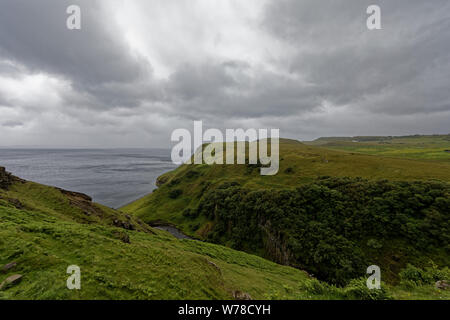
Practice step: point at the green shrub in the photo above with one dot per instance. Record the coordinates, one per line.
(315, 287)
(413, 276)
(357, 290)
(322, 227)
(192, 174)
(375, 244)
(190, 213)
(187, 212)
(194, 226)
(175, 193)
(289, 170)
(174, 182)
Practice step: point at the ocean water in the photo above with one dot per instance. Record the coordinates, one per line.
(112, 177)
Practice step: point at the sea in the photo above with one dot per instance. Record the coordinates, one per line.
(112, 177)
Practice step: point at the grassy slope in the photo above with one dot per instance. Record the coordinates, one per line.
(45, 230)
(67, 207)
(150, 267)
(410, 147)
(306, 162)
(47, 234)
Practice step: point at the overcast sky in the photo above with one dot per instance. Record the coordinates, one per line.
(139, 69)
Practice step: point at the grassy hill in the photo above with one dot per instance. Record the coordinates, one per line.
(299, 164)
(45, 229)
(432, 147)
(329, 212)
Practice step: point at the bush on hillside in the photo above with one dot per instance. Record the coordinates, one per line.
(357, 290)
(412, 275)
(175, 193)
(323, 227)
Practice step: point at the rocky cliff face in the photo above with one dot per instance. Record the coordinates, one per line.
(276, 249)
(6, 179)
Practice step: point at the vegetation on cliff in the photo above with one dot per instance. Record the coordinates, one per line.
(43, 230)
(328, 212)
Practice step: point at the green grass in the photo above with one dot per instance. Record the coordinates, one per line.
(425, 292)
(45, 231)
(48, 234)
(152, 266)
(434, 148)
(299, 164)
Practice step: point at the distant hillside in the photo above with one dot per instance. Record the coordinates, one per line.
(299, 164)
(411, 138)
(431, 147)
(326, 211)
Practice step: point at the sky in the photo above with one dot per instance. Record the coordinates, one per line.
(137, 69)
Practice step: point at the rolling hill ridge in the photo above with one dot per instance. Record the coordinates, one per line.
(46, 229)
(328, 212)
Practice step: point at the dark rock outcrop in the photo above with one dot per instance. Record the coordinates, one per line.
(8, 267)
(161, 180)
(122, 236)
(124, 224)
(16, 203)
(239, 295)
(72, 194)
(6, 179)
(274, 245)
(442, 285)
(215, 266)
(11, 281)
(83, 202)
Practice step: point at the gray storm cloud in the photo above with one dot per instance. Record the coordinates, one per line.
(138, 69)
